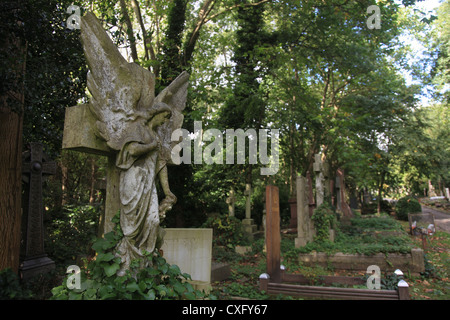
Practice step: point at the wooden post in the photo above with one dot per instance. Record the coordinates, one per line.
(403, 290)
(273, 236)
(264, 282)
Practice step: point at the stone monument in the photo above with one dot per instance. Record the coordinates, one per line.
(305, 225)
(342, 204)
(248, 223)
(34, 260)
(127, 123)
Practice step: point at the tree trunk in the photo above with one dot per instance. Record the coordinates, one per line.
(10, 187)
(11, 122)
(380, 190)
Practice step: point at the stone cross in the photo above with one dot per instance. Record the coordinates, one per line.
(79, 135)
(319, 169)
(34, 166)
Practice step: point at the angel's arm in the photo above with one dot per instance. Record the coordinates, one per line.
(170, 198)
(137, 148)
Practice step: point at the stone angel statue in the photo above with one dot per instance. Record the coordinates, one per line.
(137, 126)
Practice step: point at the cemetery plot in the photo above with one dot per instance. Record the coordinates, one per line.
(274, 281)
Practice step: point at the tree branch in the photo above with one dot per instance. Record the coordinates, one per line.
(130, 33)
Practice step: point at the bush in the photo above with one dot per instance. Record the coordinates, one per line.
(99, 280)
(407, 205)
(227, 231)
(324, 218)
(10, 287)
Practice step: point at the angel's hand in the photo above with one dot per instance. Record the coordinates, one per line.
(166, 205)
(138, 149)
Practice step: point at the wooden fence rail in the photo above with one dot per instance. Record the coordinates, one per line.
(332, 292)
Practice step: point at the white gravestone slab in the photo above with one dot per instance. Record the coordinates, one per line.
(191, 250)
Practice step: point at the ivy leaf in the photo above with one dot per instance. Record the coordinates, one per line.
(111, 270)
(105, 257)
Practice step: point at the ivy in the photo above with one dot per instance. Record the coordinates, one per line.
(324, 218)
(99, 281)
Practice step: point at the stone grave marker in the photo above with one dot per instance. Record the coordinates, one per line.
(342, 204)
(320, 179)
(35, 167)
(305, 226)
(248, 223)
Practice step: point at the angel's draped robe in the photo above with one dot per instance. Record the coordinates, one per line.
(139, 216)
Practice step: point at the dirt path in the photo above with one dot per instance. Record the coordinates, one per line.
(442, 219)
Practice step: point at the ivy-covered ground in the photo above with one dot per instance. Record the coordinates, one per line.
(433, 284)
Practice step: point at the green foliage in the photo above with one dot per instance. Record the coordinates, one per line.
(10, 287)
(361, 238)
(407, 205)
(227, 231)
(324, 218)
(71, 231)
(99, 281)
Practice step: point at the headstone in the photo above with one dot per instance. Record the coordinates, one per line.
(191, 250)
(305, 226)
(127, 123)
(35, 167)
(293, 207)
(248, 223)
(231, 200)
(310, 194)
(320, 180)
(431, 191)
(273, 235)
(342, 204)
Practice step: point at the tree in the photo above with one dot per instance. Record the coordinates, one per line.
(11, 121)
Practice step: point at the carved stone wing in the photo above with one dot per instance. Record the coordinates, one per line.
(121, 92)
(175, 96)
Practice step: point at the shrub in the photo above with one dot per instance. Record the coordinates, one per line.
(227, 231)
(324, 218)
(99, 280)
(407, 205)
(10, 287)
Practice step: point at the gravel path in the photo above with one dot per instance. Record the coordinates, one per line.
(441, 219)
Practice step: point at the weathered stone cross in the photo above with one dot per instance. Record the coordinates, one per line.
(34, 259)
(79, 135)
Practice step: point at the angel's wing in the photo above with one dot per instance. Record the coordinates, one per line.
(121, 91)
(175, 96)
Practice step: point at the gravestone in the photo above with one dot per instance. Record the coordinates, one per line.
(293, 208)
(305, 226)
(320, 179)
(431, 191)
(191, 250)
(126, 122)
(273, 235)
(248, 223)
(35, 166)
(342, 204)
